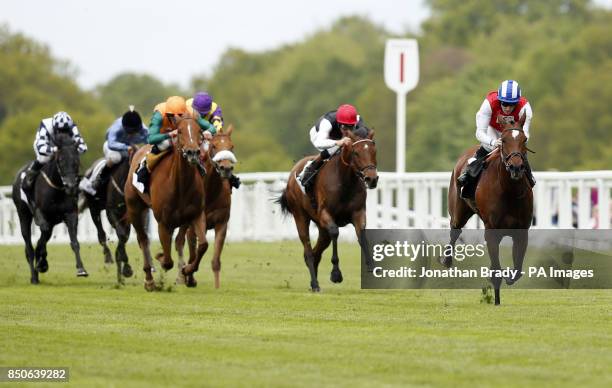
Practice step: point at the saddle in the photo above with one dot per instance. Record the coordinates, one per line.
(154, 159)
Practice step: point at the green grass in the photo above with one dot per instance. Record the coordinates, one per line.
(264, 328)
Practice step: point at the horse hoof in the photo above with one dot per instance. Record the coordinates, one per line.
(511, 281)
(82, 273)
(315, 288)
(108, 259)
(446, 261)
(127, 270)
(336, 276)
(149, 285)
(34, 281)
(180, 279)
(191, 282)
(166, 264)
(43, 266)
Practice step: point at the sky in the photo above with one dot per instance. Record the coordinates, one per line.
(105, 38)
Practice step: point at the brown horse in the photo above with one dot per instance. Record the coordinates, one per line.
(219, 160)
(176, 197)
(504, 200)
(340, 197)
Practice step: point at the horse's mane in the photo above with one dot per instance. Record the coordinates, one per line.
(63, 139)
(361, 132)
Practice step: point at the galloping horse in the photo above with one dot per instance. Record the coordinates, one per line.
(340, 197)
(503, 200)
(219, 161)
(54, 200)
(110, 197)
(176, 197)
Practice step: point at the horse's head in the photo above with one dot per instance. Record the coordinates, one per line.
(362, 157)
(513, 150)
(188, 138)
(68, 162)
(221, 151)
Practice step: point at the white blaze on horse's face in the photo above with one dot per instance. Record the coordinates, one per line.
(515, 133)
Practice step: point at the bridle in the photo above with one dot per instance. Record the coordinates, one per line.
(360, 173)
(506, 159)
(225, 154)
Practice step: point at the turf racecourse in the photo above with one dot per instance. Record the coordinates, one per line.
(264, 328)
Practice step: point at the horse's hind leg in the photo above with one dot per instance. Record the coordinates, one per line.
(97, 220)
(493, 238)
(460, 214)
(322, 243)
(71, 220)
(138, 218)
(328, 222)
(302, 222)
(25, 220)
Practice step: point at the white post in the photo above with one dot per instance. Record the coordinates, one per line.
(400, 143)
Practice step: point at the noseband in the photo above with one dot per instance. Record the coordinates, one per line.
(360, 173)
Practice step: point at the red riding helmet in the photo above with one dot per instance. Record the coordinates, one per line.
(346, 114)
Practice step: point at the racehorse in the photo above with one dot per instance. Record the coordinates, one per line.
(53, 200)
(176, 197)
(503, 200)
(219, 160)
(339, 199)
(110, 197)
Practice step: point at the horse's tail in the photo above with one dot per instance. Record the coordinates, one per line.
(282, 201)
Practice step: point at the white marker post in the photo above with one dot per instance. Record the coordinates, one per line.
(401, 76)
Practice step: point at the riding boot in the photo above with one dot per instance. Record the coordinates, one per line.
(234, 181)
(31, 175)
(310, 171)
(101, 178)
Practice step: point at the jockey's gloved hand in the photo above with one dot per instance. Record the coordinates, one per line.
(497, 143)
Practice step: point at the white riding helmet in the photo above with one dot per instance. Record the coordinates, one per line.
(62, 120)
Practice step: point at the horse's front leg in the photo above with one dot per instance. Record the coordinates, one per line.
(71, 220)
(220, 233)
(359, 222)
(493, 237)
(199, 227)
(97, 220)
(165, 238)
(179, 245)
(520, 239)
(328, 223)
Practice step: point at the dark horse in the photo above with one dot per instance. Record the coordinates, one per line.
(219, 160)
(53, 200)
(504, 200)
(176, 197)
(110, 197)
(340, 198)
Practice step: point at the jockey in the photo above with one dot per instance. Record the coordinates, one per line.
(508, 104)
(162, 129)
(120, 138)
(210, 111)
(44, 147)
(329, 134)
(203, 103)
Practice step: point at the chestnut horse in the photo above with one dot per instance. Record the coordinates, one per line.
(176, 197)
(503, 200)
(219, 160)
(340, 198)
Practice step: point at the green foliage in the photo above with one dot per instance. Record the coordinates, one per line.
(559, 50)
